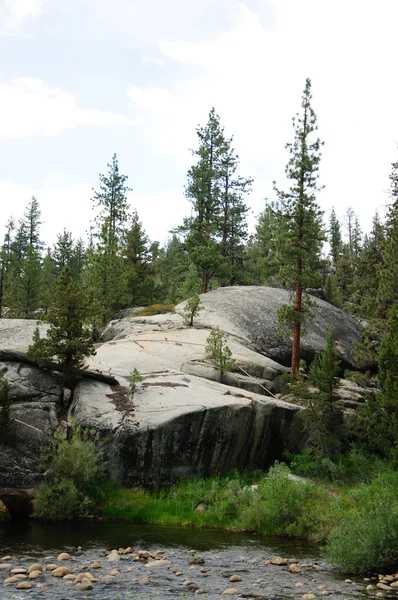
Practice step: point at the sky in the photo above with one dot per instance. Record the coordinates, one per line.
(81, 80)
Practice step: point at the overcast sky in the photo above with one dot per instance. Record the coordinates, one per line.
(82, 79)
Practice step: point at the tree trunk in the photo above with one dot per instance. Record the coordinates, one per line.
(204, 281)
(297, 331)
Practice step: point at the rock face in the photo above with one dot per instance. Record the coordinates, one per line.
(36, 397)
(251, 310)
(180, 420)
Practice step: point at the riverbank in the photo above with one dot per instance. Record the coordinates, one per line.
(357, 524)
(129, 560)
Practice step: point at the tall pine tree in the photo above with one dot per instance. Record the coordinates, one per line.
(300, 235)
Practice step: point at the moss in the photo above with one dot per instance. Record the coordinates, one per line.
(155, 309)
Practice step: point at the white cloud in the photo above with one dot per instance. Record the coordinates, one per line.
(29, 106)
(151, 60)
(14, 13)
(254, 78)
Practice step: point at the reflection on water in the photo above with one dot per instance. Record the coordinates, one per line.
(30, 536)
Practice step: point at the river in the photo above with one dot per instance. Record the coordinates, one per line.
(224, 554)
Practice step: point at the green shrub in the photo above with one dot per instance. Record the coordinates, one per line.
(155, 309)
(217, 349)
(75, 470)
(352, 467)
(366, 538)
(134, 378)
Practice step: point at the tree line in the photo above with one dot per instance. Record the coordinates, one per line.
(118, 266)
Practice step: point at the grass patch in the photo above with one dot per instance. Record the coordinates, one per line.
(358, 524)
(155, 309)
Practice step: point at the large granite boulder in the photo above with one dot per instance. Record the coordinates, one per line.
(180, 420)
(251, 313)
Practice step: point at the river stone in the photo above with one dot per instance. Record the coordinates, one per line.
(230, 592)
(5, 558)
(86, 585)
(114, 572)
(11, 580)
(24, 585)
(145, 581)
(196, 560)
(34, 574)
(114, 556)
(81, 576)
(60, 572)
(200, 591)
(69, 577)
(162, 562)
(5, 567)
(96, 565)
(35, 567)
(235, 578)
(4, 514)
(51, 567)
(308, 596)
(19, 571)
(293, 568)
(383, 586)
(64, 556)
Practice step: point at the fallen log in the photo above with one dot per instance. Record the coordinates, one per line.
(15, 356)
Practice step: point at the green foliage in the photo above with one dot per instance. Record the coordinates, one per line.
(217, 229)
(191, 309)
(68, 340)
(74, 475)
(300, 235)
(323, 418)
(366, 540)
(155, 309)
(331, 290)
(135, 378)
(216, 347)
(7, 425)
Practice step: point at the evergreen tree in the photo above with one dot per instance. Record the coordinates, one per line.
(323, 417)
(216, 230)
(5, 264)
(63, 250)
(217, 348)
(48, 281)
(300, 234)
(262, 248)
(335, 239)
(68, 339)
(26, 263)
(105, 273)
(141, 283)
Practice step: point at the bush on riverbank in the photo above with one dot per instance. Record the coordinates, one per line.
(366, 538)
(357, 524)
(74, 477)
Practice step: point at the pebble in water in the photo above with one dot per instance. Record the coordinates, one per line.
(24, 585)
(235, 578)
(60, 572)
(35, 567)
(230, 592)
(64, 556)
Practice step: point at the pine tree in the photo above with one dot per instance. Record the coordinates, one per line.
(105, 273)
(5, 264)
(138, 256)
(262, 248)
(323, 417)
(68, 340)
(217, 348)
(300, 234)
(48, 281)
(216, 231)
(26, 252)
(335, 239)
(63, 250)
